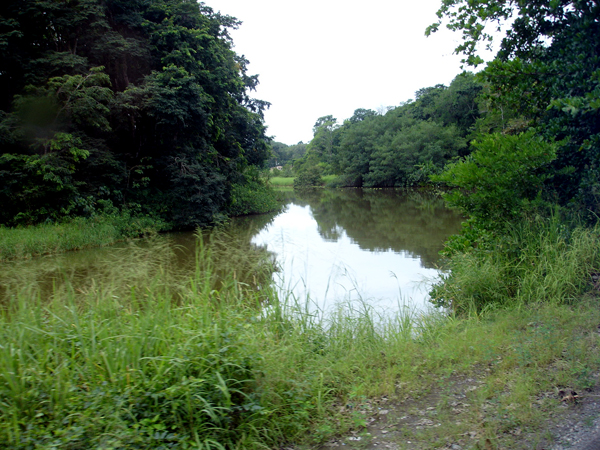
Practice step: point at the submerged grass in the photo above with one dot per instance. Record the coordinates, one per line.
(195, 363)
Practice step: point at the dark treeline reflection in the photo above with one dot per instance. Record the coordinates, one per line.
(415, 222)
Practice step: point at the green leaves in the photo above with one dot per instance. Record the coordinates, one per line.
(500, 179)
(84, 99)
(546, 75)
(472, 18)
(392, 149)
(101, 89)
(417, 143)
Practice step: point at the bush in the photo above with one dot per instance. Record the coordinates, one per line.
(308, 177)
(253, 196)
(501, 179)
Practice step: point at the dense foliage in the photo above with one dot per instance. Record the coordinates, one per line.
(546, 77)
(140, 104)
(501, 178)
(283, 154)
(535, 171)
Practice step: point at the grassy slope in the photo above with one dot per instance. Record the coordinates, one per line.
(289, 181)
(281, 181)
(121, 365)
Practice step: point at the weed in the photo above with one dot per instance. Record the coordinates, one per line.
(539, 260)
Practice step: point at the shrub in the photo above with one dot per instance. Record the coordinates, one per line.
(501, 179)
(252, 197)
(308, 177)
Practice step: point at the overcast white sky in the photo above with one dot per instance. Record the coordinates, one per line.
(321, 57)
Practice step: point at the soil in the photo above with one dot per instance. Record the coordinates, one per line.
(435, 421)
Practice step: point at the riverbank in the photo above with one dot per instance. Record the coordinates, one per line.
(101, 230)
(122, 374)
(206, 360)
(528, 379)
(75, 234)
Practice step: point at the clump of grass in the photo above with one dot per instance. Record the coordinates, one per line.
(76, 234)
(538, 260)
(124, 375)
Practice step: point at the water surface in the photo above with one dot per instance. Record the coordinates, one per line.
(380, 246)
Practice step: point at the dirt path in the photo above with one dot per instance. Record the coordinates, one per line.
(440, 419)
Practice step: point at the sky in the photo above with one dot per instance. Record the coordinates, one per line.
(330, 57)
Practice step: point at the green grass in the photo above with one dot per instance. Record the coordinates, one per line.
(141, 359)
(289, 181)
(282, 181)
(76, 234)
(252, 197)
(538, 260)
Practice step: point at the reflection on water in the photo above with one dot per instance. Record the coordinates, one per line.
(378, 245)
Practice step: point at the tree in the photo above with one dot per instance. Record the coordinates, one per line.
(397, 155)
(547, 70)
(308, 177)
(501, 178)
(361, 114)
(356, 147)
(458, 104)
(394, 149)
(322, 147)
(148, 96)
(453, 105)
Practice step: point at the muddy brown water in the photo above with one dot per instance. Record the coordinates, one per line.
(375, 246)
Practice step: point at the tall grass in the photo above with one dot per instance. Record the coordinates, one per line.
(537, 260)
(206, 360)
(161, 362)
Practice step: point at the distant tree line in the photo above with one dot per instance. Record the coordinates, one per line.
(401, 147)
(283, 154)
(111, 104)
(522, 134)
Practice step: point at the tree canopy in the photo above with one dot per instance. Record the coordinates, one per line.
(546, 74)
(402, 146)
(138, 103)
